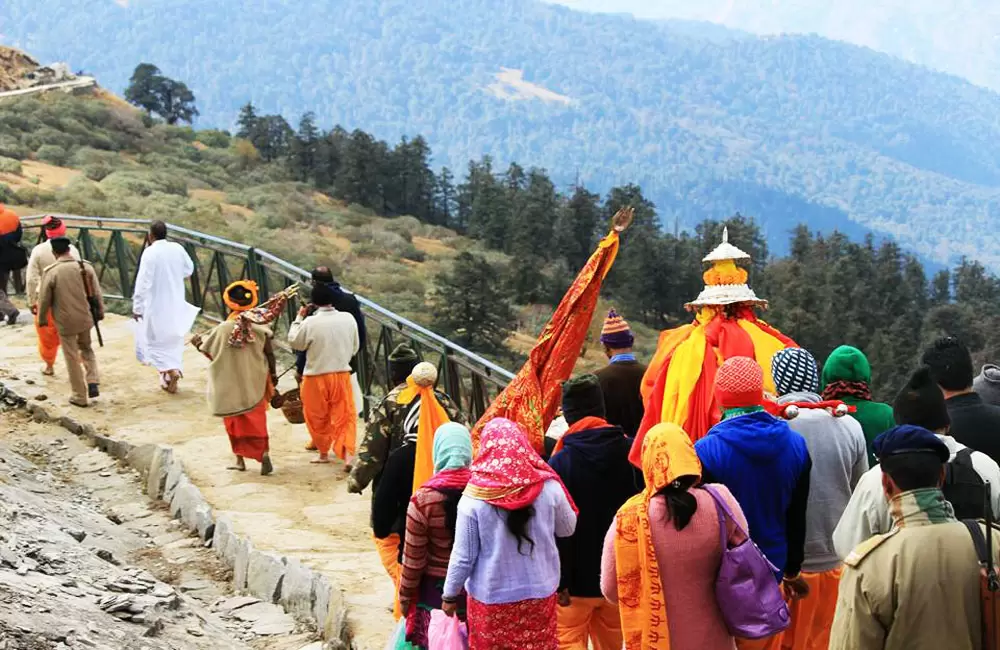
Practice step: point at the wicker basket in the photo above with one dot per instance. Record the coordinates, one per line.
(291, 407)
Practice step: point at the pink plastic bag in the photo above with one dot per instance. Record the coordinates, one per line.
(446, 632)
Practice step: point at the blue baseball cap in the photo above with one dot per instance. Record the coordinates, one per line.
(910, 439)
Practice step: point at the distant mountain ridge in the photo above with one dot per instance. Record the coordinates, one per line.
(787, 129)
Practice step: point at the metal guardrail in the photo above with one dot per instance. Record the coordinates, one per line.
(114, 246)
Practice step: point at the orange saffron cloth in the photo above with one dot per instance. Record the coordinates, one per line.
(328, 407)
(48, 340)
(532, 398)
(248, 431)
(432, 416)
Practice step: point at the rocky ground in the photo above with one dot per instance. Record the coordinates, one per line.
(87, 561)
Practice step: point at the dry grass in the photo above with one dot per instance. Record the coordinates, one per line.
(433, 247)
(49, 177)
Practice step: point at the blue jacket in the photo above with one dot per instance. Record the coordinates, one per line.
(766, 466)
(593, 464)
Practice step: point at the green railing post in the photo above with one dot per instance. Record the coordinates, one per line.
(120, 261)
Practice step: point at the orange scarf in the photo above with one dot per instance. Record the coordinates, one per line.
(586, 424)
(667, 454)
(432, 416)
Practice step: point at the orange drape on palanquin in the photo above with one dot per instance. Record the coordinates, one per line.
(679, 386)
(532, 398)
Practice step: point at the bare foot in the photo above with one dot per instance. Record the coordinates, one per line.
(171, 386)
(48, 371)
(322, 460)
(311, 447)
(240, 466)
(265, 465)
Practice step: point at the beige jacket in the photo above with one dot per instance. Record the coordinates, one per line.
(41, 258)
(237, 377)
(63, 293)
(914, 588)
(330, 339)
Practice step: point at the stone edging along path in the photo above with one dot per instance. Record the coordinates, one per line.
(272, 578)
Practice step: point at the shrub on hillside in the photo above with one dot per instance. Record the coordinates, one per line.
(11, 147)
(33, 196)
(9, 165)
(97, 171)
(52, 154)
(6, 194)
(214, 138)
(48, 136)
(144, 183)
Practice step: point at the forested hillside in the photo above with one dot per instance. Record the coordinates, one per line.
(790, 129)
(958, 36)
(492, 288)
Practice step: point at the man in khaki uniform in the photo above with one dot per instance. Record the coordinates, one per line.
(917, 586)
(63, 298)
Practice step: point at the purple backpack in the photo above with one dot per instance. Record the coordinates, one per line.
(748, 595)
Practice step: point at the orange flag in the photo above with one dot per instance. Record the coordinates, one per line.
(532, 398)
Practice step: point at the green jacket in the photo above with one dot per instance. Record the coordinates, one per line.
(850, 364)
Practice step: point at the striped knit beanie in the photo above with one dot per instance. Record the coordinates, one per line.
(739, 384)
(616, 333)
(794, 371)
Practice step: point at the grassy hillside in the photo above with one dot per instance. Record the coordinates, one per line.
(95, 156)
(788, 129)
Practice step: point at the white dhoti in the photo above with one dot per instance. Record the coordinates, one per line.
(165, 315)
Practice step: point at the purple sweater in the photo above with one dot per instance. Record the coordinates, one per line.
(485, 559)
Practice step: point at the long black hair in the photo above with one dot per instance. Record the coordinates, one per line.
(517, 524)
(681, 504)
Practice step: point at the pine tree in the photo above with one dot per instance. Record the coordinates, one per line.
(445, 199)
(577, 227)
(470, 307)
(304, 148)
(172, 100)
(531, 235)
(247, 122)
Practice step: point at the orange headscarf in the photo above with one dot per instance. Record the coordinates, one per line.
(667, 454)
(432, 416)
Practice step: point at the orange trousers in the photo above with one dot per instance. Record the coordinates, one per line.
(328, 407)
(589, 623)
(48, 340)
(770, 643)
(388, 553)
(813, 615)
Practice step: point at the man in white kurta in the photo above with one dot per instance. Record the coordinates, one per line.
(162, 314)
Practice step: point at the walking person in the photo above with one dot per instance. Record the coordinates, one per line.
(621, 379)
(917, 586)
(430, 533)
(241, 377)
(836, 445)
(920, 403)
(330, 338)
(662, 553)
(13, 258)
(64, 297)
(974, 423)
(41, 258)
(347, 302)
(505, 553)
(766, 466)
(847, 376)
(593, 464)
(162, 314)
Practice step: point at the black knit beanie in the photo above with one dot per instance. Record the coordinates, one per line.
(582, 397)
(921, 403)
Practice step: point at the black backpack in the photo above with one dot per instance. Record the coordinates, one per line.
(964, 487)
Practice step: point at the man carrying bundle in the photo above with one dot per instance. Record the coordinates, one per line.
(41, 258)
(68, 289)
(241, 376)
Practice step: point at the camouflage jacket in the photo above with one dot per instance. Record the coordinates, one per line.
(385, 432)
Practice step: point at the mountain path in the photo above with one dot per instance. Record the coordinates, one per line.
(302, 510)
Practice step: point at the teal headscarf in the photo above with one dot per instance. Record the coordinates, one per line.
(452, 447)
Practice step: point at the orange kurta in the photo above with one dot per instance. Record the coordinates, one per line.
(532, 398)
(811, 617)
(48, 340)
(328, 407)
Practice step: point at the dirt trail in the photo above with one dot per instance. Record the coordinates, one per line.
(302, 510)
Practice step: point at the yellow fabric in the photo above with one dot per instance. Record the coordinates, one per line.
(388, 554)
(669, 340)
(682, 377)
(432, 416)
(667, 454)
(765, 347)
(589, 624)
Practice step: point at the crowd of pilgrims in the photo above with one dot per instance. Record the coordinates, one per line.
(617, 539)
(863, 515)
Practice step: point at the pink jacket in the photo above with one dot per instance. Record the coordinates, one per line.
(689, 561)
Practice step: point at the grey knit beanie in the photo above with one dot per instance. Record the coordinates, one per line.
(987, 384)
